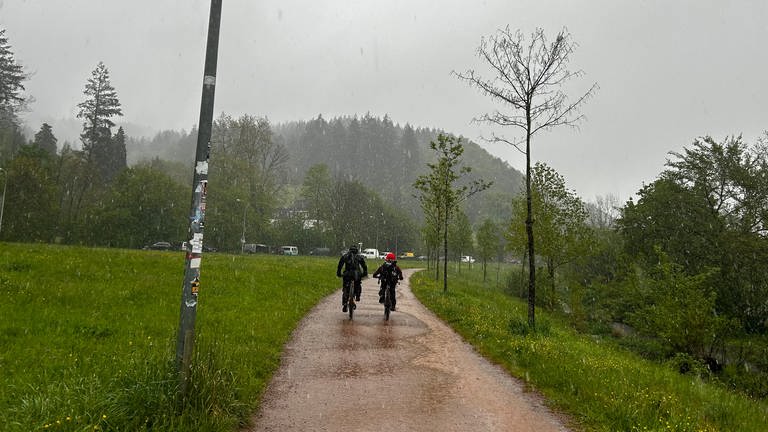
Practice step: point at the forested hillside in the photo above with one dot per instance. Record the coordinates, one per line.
(387, 158)
(383, 156)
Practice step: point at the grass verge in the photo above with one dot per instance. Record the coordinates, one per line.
(599, 385)
(88, 336)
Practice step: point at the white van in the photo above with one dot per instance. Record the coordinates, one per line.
(371, 253)
(289, 250)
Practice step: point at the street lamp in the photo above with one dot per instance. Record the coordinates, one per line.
(2, 203)
(242, 238)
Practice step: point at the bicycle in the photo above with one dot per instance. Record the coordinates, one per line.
(389, 291)
(349, 289)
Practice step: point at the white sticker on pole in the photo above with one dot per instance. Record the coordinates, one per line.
(202, 167)
(197, 243)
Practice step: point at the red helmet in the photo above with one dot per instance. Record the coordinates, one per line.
(390, 257)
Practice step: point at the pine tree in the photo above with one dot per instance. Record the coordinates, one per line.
(12, 101)
(12, 77)
(100, 105)
(45, 140)
(117, 157)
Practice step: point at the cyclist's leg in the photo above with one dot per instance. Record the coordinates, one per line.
(345, 290)
(392, 296)
(358, 288)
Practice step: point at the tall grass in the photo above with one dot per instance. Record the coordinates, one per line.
(88, 336)
(601, 386)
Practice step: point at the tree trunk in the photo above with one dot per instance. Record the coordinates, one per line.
(529, 230)
(445, 252)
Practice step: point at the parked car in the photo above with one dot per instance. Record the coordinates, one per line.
(320, 251)
(289, 250)
(467, 259)
(253, 248)
(370, 253)
(407, 255)
(383, 255)
(159, 246)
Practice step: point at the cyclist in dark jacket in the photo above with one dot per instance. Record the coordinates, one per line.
(355, 269)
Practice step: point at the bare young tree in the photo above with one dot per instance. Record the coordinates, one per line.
(528, 81)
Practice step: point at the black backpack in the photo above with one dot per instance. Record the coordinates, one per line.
(352, 265)
(389, 272)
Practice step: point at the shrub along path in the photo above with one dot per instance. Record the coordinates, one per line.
(411, 373)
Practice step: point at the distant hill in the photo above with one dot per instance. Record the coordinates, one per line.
(388, 158)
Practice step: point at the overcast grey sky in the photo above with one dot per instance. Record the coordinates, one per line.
(669, 71)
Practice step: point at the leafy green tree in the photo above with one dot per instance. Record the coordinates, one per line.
(101, 104)
(529, 81)
(563, 234)
(680, 309)
(316, 191)
(460, 240)
(45, 140)
(72, 176)
(30, 210)
(349, 219)
(250, 166)
(705, 211)
(487, 244)
(437, 192)
(669, 215)
(143, 206)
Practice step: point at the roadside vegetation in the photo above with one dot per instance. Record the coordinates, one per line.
(88, 336)
(595, 381)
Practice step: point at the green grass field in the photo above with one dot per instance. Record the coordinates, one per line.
(600, 386)
(88, 336)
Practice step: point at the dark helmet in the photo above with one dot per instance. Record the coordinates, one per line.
(353, 249)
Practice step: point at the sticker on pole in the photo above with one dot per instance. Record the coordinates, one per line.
(201, 167)
(197, 243)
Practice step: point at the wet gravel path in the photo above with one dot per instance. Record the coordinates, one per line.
(411, 373)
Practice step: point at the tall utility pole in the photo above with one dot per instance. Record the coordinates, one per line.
(242, 238)
(194, 252)
(2, 204)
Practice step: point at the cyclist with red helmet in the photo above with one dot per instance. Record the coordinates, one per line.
(389, 274)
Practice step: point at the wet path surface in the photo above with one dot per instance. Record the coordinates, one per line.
(411, 373)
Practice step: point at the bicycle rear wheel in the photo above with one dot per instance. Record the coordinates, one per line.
(387, 303)
(350, 290)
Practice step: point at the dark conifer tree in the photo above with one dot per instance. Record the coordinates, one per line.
(12, 77)
(45, 140)
(100, 105)
(12, 100)
(116, 160)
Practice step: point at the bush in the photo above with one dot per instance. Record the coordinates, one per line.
(519, 326)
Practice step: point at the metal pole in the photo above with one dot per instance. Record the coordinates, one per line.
(242, 237)
(2, 204)
(191, 283)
